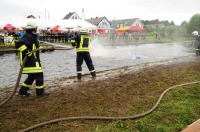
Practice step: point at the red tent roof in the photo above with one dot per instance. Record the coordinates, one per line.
(56, 28)
(136, 28)
(9, 27)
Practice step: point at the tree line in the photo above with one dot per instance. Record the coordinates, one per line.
(193, 24)
(157, 21)
(171, 30)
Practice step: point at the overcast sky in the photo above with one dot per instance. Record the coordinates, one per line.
(171, 10)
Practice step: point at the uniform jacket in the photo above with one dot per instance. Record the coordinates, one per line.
(25, 45)
(82, 41)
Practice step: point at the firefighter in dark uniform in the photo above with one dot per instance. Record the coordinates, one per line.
(82, 41)
(32, 67)
(197, 42)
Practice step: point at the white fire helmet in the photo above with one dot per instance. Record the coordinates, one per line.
(83, 30)
(195, 33)
(31, 24)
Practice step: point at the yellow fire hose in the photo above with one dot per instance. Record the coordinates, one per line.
(87, 117)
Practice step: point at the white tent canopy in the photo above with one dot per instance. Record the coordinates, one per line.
(48, 23)
(17, 22)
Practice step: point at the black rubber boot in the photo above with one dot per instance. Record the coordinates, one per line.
(24, 91)
(93, 74)
(79, 75)
(41, 92)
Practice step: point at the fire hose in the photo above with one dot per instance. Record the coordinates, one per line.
(109, 118)
(86, 117)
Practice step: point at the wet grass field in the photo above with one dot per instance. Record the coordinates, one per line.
(125, 91)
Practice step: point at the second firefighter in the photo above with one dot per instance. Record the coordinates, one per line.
(82, 41)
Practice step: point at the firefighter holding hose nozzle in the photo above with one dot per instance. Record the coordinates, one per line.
(82, 41)
(32, 67)
(197, 42)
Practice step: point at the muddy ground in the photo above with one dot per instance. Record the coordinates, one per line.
(117, 92)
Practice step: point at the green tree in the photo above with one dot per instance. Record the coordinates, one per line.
(165, 22)
(194, 23)
(172, 23)
(147, 22)
(170, 30)
(183, 23)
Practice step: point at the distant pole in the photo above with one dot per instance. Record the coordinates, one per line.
(45, 13)
(83, 14)
(114, 19)
(48, 14)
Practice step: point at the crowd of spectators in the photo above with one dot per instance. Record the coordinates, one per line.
(64, 36)
(120, 37)
(14, 34)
